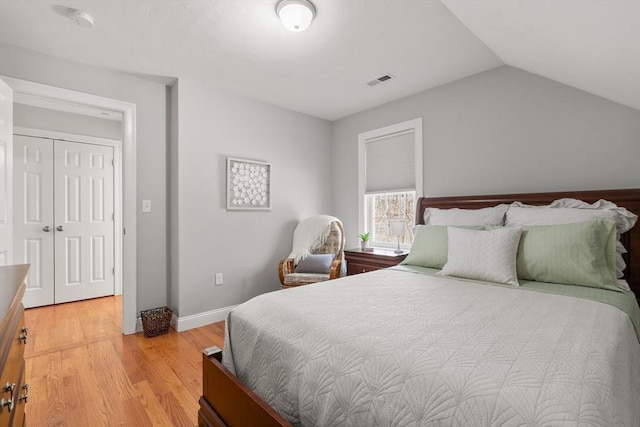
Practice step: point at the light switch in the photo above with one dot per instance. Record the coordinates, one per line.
(146, 206)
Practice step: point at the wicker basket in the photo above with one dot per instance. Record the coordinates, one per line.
(156, 321)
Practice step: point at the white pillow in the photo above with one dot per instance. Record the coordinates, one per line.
(555, 216)
(546, 215)
(483, 255)
(625, 221)
(466, 217)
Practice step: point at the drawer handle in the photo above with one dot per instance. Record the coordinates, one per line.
(23, 335)
(9, 387)
(8, 403)
(25, 395)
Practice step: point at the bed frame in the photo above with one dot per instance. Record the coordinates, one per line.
(226, 401)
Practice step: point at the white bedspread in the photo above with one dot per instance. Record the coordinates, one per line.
(392, 348)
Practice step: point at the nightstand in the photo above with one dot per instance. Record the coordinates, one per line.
(359, 261)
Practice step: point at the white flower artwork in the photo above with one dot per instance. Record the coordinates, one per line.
(248, 184)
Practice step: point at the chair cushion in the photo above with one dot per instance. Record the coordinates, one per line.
(304, 278)
(315, 263)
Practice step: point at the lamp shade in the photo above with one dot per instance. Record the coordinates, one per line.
(397, 227)
(296, 15)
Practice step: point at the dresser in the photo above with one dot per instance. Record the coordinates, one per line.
(361, 261)
(14, 393)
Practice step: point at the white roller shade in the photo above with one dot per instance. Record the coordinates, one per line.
(390, 163)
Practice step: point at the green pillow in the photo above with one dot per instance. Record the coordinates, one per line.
(430, 246)
(575, 254)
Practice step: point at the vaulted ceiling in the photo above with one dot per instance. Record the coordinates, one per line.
(241, 46)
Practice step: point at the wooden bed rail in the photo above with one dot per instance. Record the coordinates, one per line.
(227, 402)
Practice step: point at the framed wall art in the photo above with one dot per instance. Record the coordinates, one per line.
(248, 184)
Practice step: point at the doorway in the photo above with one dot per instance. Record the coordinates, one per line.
(65, 217)
(125, 233)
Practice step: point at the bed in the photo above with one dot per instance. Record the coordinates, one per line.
(406, 346)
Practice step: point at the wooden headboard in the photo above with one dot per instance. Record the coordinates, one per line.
(629, 199)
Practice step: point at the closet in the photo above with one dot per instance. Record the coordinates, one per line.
(63, 198)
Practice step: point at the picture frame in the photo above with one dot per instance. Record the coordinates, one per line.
(248, 184)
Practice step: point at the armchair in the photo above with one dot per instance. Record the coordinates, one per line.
(318, 245)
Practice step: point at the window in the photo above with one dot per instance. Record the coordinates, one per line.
(382, 208)
(390, 169)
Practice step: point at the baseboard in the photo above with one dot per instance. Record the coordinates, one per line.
(201, 319)
(195, 320)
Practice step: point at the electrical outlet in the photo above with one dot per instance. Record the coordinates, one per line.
(218, 279)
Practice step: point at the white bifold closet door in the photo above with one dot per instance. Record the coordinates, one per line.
(63, 222)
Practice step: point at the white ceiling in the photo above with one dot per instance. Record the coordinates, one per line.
(590, 45)
(241, 46)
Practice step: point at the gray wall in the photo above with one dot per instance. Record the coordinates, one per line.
(203, 126)
(150, 99)
(59, 121)
(245, 246)
(500, 131)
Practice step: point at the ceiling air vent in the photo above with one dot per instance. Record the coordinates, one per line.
(381, 79)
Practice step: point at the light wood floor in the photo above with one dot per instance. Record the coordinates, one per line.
(83, 372)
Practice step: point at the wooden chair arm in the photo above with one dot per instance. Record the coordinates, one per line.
(334, 271)
(285, 267)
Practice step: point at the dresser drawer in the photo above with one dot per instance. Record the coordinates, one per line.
(362, 261)
(19, 416)
(13, 370)
(356, 268)
(12, 366)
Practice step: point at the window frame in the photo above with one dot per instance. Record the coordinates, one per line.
(408, 126)
(368, 220)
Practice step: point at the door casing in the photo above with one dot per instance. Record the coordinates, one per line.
(128, 236)
(6, 174)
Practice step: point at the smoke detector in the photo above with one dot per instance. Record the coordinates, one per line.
(81, 18)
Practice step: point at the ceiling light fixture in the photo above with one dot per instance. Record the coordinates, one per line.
(296, 15)
(81, 18)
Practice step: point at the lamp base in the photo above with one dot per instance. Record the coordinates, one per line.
(398, 251)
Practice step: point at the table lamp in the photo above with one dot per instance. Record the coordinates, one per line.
(397, 229)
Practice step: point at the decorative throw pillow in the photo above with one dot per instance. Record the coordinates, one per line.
(315, 263)
(461, 217)
(429, 248)
(483, 255)
(581, 254)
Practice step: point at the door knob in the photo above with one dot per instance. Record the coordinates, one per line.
(60, 228)
(46, 228)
